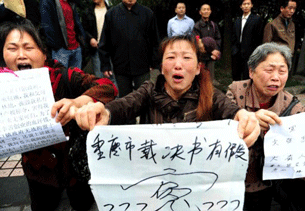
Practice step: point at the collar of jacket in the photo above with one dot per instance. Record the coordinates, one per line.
(134, 9)
(167, 105)
(204, 23)
(251, 101)
(283, 19)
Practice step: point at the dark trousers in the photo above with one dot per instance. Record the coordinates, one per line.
(258, 201)
(47, 198)
(240, 70)
(289, 194)
(128, 83)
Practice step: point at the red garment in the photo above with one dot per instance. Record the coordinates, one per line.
(264, 105)
(71, 34)
(50, 165)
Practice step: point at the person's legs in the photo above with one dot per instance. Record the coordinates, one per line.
(245, 69)
(80, 196)
(44, 197)
(258, 201)
(75, 58)
(62, 55)
(211, 68)
(124, 84)
(236, 70)
(96, 63)
(140, 79)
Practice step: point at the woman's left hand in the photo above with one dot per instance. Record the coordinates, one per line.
(63, 108)
(248, 126)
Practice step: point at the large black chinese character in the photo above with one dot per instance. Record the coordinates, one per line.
(115, 146)
(147, 150)
(233, 150)
(129, 147)
(216, 150)
(98, 144)
(196, 150)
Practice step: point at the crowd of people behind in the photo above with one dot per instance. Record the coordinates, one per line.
(123, 43)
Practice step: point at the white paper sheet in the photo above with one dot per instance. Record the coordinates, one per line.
(285, 149)
(185, 166)
(25, 112)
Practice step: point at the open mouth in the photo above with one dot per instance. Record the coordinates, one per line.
(178, 77)
(273, 87)
(24, 66)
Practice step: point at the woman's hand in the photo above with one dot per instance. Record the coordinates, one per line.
(62, 107)
(90, 115)
(267, 118)
(248, 126)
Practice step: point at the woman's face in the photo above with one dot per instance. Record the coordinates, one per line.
(270, 76)
(21, 52)
(179, 67)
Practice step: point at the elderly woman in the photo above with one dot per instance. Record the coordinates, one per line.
(264, 94)
(48, 170)
(182, 93)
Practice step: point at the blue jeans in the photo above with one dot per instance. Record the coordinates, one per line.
(69, 58)
(96, 63)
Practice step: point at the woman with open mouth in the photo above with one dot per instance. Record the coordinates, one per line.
(182, 93)
(48, 169)
(264, 94)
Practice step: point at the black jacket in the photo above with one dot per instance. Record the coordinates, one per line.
(89, 24)
(130, 39)
(54, 27)
(252, 36)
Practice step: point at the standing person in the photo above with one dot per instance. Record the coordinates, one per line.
(246, 37)
(93, 22)
(63, 30)
(282, 29)
(130, 38)
(209, 33)
(264, 94)
(48, 170)
(181, 24)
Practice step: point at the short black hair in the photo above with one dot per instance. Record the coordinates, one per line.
(242, 1)
(284, 3)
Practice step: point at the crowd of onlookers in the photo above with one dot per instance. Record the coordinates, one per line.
(123, 45)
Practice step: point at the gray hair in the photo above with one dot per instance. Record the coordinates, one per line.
(261, 52)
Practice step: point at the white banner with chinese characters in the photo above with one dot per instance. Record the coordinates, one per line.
(284, 148)
(26, 99)
(184, 166)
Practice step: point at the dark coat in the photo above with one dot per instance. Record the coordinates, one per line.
(152, 101)
(54, 27)
(251, 37)
(130, 39)
(89, 24)
(50, 165)
(208, 29)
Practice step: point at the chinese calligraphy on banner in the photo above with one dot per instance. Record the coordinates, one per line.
(184, 166)
(284, 149)
(25, 112)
